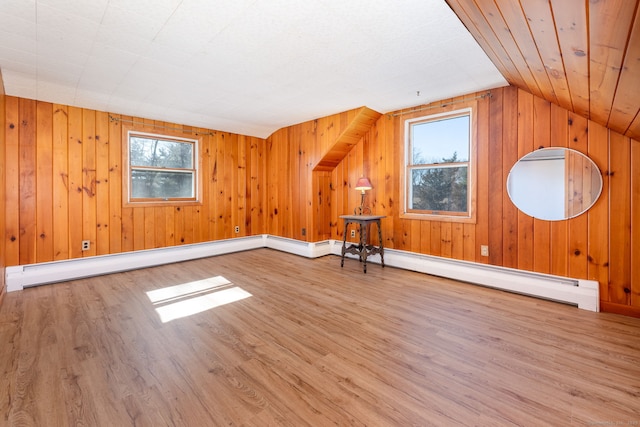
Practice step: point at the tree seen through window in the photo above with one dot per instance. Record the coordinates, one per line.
(440, 188)
(161, 168)
(438, 174)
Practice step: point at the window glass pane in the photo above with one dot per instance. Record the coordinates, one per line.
(153, 152)
(161, 184)
(440, 141)
(439, 189)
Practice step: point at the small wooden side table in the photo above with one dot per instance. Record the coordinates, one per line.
(362, 249)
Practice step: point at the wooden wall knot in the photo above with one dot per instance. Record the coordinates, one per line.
(90, 190)
(65, 179)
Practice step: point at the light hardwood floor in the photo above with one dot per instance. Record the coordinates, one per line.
(314, 345)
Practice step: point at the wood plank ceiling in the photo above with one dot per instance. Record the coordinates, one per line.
(583, 55)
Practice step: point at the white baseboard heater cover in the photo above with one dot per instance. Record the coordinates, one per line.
(582, 293)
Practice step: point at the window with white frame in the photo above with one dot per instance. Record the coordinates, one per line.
(161, 169)
(438, 164)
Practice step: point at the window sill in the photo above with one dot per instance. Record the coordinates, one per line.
(161, 203)
(439, 217)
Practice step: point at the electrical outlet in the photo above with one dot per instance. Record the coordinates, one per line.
(86, 245)
(237, 229)
(353, 233)
(304, 231)
(484, 250)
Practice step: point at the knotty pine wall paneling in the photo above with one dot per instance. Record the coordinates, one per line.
(634, 285)
(598, 245)
(12, 183)
(27, 181)
(318, 191)
(578, 230)
(76, 193)
(509, 216)
(235, 169)
(2, 189)
(541, 229)
(274, 161)
(478, 234)
(89, 184)
(337, 207)
(101, 184)
(268, 186)
(496, 177)
(216, 185)
(117, 242)
(299, 212)
(559, 229)
(525, 246)
(619, 289)
(63, 168)
(257, 195)
(298, 197)
(44, 181)
(598, 217)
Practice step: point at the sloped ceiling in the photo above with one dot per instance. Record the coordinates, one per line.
(243, 66)
(582, 55)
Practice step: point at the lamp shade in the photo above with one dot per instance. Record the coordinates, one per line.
(363, 184)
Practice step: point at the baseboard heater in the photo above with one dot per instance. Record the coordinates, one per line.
(581, 293)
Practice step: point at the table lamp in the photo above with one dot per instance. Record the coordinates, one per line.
(363, 185)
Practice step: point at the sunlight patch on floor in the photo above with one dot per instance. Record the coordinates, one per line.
(185, 289)
(190, 298)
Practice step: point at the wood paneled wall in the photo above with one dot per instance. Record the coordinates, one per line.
(64, 185)
(64, 180)
(2, 189)
(599, 245)
(299, 199)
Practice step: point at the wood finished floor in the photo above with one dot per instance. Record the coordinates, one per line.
(313, 345)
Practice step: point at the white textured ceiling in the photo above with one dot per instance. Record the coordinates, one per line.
(243, 66)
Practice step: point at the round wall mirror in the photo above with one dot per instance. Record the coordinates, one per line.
(554, 183)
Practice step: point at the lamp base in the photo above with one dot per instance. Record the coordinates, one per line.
(362, 209)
